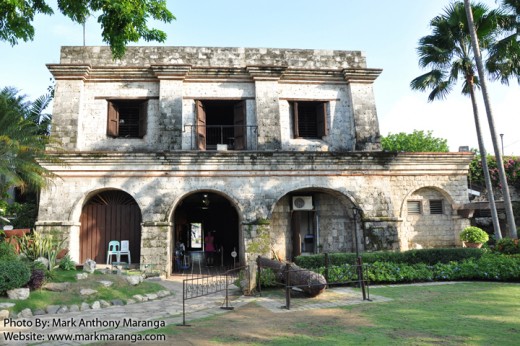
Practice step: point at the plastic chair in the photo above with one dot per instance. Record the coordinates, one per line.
(113, 249)
(125, 250)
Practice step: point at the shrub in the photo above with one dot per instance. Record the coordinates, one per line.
(41, 245)
(492, 266)
(37, 279)
(267, 278)
(508, 246)
(66, 263)
(7, 252)
(474, 234)
(427, 256)
(13, 274)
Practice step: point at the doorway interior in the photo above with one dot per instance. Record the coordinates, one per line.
(201, 213)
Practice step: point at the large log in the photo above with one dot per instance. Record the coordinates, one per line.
(309, 282)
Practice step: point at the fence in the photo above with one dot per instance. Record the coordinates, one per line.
(344, 275)
(197, 287)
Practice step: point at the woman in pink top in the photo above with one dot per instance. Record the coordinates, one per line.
(209, 248)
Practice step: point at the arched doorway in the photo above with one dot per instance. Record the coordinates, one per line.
(314, 220)
(109, 215)
(200, 213)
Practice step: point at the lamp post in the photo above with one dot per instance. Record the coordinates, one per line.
(502, 142)
(356, 211)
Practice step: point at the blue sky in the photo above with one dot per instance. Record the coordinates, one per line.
(386, 31)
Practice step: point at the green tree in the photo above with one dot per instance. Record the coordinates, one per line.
(122, 21)
(23, 137)
(503, 61)
(491, 121)
(448, 52)
(418, 141)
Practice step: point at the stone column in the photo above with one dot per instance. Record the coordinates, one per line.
(156, 246)
(366, 125)
(267, 105)
(171, 82)
(67, 107)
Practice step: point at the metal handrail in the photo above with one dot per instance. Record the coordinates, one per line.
(223, 135)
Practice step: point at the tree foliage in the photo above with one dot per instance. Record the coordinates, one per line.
(23, 137)
(418, 141)
(503, 62)
(122, 21)
(511, 166)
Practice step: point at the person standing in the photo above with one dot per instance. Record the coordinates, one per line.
(209, 248)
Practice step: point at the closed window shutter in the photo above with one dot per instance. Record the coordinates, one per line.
(113, 120)
(143, 115)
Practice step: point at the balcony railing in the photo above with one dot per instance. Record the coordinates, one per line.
(226, 137)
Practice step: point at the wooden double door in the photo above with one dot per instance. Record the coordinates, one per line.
(111, 215)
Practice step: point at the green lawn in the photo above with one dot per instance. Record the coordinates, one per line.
(479, 313)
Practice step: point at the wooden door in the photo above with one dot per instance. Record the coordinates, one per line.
(201, 125)
(296, 237)
(110, 215)
(239, 122)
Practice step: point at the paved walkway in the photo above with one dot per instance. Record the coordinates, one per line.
(156, 313)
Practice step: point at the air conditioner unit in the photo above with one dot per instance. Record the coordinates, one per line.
(302, 203)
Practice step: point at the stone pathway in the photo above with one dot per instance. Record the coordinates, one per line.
(151, 314)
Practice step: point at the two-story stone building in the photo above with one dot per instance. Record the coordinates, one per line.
(273, 149)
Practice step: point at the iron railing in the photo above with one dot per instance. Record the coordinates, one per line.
(344, 275)
(231, 137)
(205, 285)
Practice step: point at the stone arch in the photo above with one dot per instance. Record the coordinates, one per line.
(217, 213)
(427, 216)
(444, 193)
(108, 214)
(330, 226)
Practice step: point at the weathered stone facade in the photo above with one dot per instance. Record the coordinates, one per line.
(166, 168)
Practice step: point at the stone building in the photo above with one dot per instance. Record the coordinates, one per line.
(275, 150)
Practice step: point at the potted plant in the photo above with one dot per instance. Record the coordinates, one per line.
(473, 237)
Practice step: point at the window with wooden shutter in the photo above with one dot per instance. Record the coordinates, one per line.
(309, 119)
(127, 118)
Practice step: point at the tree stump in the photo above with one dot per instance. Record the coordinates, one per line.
(309, 282)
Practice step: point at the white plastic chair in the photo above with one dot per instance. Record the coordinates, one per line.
(125, 250)
(113, 249)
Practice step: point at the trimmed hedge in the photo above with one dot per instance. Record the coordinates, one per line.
(489, 267)
(425, 256)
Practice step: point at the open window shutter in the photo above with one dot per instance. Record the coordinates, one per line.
(295, 119)
(201, 125)
(143, 115)
(113, 120)
(321, 119)
(239, 121)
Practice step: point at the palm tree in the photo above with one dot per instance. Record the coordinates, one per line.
(491, 121)
(23, 137)
(503, 62)
(447, 51)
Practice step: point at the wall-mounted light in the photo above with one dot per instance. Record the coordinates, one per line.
(205, 201)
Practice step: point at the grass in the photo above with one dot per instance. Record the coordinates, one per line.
(479, 313)
(120, 289)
